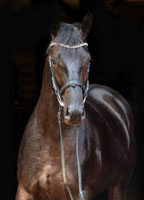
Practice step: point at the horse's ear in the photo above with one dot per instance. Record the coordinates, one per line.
(52, 37)
(86, 24)
(54, 30)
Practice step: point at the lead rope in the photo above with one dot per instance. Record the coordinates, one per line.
(63, 155)
(79, 168)
(63, 161)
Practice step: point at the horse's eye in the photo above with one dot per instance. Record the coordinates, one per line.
(53, 60)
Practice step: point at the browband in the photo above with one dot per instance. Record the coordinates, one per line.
(67, 46)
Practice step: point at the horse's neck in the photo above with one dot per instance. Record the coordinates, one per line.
(47, 106)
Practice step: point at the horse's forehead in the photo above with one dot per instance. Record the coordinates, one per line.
(74, 56)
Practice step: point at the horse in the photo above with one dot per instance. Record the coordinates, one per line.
(79, 141)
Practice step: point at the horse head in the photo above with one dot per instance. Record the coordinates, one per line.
(69, 62)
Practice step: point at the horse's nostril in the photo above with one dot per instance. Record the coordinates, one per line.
(82, 111)
(74, 115)
(67, 116)
(83, 114)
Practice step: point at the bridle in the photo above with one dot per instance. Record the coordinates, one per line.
(59, 93)
(72, 83)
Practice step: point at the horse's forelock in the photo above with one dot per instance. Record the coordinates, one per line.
(68, 34)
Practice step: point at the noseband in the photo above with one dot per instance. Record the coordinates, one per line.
(72, 83)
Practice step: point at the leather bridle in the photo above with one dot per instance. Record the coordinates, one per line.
(59, 92)
(72, 83)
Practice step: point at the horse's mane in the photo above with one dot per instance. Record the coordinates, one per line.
(68, 34)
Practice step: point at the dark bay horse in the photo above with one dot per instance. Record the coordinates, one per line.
(78, 143)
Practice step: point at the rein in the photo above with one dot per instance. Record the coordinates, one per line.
(81, 193)
(59, 93)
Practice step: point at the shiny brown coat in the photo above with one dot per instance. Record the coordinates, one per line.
(106, 146)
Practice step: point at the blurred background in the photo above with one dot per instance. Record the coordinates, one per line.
(116, 44)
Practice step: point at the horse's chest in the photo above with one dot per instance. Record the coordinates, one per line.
(50, 182)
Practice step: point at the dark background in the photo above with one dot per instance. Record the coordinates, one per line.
(116, 44)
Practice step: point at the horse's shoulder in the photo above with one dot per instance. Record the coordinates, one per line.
(30, 134)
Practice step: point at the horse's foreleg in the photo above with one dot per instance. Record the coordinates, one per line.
(22, 194)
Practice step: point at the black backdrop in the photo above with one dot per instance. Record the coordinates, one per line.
(116, 43)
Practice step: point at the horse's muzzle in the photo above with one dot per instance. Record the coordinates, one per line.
(74, 115)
